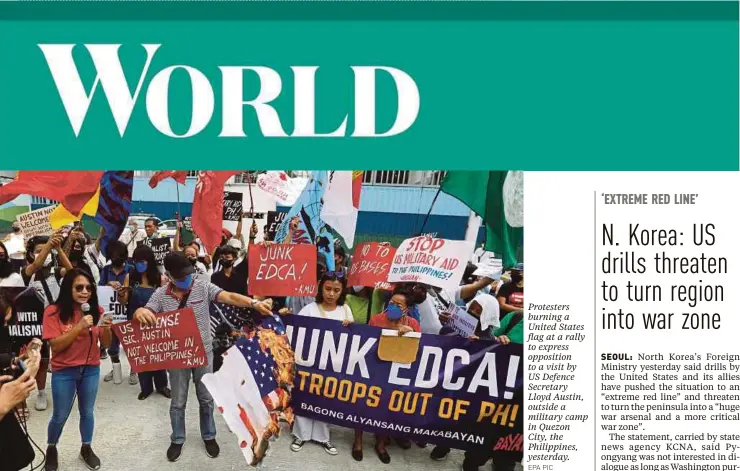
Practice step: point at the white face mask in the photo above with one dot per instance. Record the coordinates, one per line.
(357, 289)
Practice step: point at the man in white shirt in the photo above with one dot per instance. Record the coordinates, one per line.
(15, 242)
(131, 236)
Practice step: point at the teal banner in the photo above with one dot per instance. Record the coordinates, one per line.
(500, 85)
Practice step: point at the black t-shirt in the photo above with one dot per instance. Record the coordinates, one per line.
(15, 448)
(26, 321)
(513, 294)
(236, 283)
(5, 345)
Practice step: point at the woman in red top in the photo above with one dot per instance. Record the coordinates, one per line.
(394, 317)
(71, 327)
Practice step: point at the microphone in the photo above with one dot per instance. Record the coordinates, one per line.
(85, 309)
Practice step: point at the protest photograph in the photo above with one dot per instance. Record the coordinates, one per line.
(347, 319)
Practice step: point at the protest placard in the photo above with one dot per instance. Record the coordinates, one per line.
(36, 223)
(159, 246)
(232, 206)
(187, 223)
(109, 301)
(490, 268)
(282, 270)
(281, 186)
(371, 264)
(463, 323)
(173, 343)
(274, 218)
(436, 262)
(487, 388)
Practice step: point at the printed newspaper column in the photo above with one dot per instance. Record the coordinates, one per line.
(558, 276)
(668, 360)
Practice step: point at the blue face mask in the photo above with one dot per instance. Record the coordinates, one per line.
(487, 289)
(184, 283)
(141, 267)
(394, 312)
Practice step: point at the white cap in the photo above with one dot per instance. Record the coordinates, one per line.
(236, 243)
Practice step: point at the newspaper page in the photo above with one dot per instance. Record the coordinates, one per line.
(643, 373)
(353, 182)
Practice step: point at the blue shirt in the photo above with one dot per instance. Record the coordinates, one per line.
(107, 275)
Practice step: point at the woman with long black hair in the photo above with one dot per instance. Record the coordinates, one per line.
(42, 275)
(139, 285)
(329, 305)
(71, 327)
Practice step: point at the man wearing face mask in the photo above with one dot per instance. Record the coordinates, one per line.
(76, 249)
(231, 278)
(150, 227)
(114, 275)
(40, 272)
(200, 269)
(511, 295)
(184, 290)
(41, 276)
(131, 238)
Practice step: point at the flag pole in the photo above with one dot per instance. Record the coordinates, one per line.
(431, 206)
(251, 201)
(177, 188)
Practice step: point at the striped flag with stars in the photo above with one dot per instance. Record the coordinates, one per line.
(237, 317)
(245, 388)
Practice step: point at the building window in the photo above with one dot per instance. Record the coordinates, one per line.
(42, 200)
(403, 177)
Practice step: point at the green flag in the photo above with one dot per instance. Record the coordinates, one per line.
(483, 193)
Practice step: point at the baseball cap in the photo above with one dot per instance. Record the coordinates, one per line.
(236, 243)
(519, 267)
(230, 250)
(177, 264)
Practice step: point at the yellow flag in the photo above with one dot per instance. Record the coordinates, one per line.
(61, 217)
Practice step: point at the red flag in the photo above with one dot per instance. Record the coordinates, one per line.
(208, 204)
(178, 175)
(356, 187)
(73, 189)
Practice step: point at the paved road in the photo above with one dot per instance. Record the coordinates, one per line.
(133, 435)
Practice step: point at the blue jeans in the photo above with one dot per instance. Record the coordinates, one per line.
(180, 383)
(82, 381)
(115, 347)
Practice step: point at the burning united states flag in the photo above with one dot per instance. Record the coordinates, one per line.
(251, 388)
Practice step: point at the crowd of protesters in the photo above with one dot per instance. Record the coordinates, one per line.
(62, 271)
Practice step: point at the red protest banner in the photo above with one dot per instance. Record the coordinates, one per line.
(370, 265)
(173, 343)
(282, 270)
